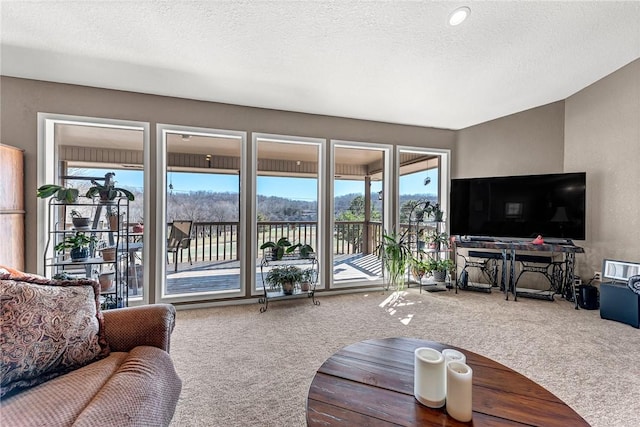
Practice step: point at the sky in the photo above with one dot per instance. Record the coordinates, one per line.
(292, 188)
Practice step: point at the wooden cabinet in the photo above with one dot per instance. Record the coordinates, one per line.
(12, 207)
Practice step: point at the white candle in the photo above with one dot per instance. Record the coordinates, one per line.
(429, 379)
(451, 354)
(459, 382)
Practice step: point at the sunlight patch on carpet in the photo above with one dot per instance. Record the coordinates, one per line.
(397, 304)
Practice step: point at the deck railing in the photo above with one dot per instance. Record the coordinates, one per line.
(218, 241)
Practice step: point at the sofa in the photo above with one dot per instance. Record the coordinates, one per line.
(67, 363)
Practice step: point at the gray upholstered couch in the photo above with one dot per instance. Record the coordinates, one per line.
(134, 385)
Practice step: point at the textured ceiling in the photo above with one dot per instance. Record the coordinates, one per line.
(390, 61)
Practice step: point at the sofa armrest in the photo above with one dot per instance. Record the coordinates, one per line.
(126, 328)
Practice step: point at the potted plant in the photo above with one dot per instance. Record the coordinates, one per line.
(78, 243)
(395, 254)
(113, 219)
(108, 252)
(62, 194)
(306, 251)
(79, 222)
(108, 192)
(419, 267)
(438, 241)
(284, 277)
(278, 248)
(439, 268)
(308, 277)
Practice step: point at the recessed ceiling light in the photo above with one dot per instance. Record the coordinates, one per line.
(459, 15)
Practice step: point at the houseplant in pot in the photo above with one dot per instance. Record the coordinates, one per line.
(78, 244)
(62, 194)
(419, 267)
(395, 254)
(278, 248)
(439, 268)
(113, 219)
(284, 277)
(438, 241)
(306, 251)
(308, 277)
(79, 222)
(108, 192)
(108, 252)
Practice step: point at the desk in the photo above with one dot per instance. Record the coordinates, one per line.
(508, 250)
(371, 383)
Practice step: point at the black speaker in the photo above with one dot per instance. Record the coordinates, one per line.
(588, 297)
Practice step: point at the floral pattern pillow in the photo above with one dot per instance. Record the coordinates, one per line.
(47, 328)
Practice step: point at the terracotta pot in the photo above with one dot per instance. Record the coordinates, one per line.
(108, 254)
(113, 222)
(106, 281)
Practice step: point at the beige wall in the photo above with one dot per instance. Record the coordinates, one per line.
(529, 142)
(602, 137)
(597, 130)
(22, 99)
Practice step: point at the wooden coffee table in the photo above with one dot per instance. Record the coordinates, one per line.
(370, 383)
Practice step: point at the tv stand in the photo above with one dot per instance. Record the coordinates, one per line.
(508, 251)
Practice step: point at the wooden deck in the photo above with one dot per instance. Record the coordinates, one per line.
(213, 276)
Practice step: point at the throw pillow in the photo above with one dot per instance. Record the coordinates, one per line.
(48, 328)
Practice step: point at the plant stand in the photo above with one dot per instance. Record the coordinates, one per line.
(418, 224)
(278, 294)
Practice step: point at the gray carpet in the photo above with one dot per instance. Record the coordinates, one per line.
(244, 368)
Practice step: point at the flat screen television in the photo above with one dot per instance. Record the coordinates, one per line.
(551, 205)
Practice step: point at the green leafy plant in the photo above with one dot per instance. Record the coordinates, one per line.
(308, 277)
(77, 240)
(278, 248)
(285, 277)
(438, 240)
(108, 191)
(304, 249)
(78, 245)
(419, 266)
(62, 194)
(396, 255)
(439, 265)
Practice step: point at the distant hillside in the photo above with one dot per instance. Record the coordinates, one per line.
(203, 206)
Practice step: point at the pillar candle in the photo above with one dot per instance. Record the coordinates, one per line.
(429, 379)
(451, 354)
(459, 379)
